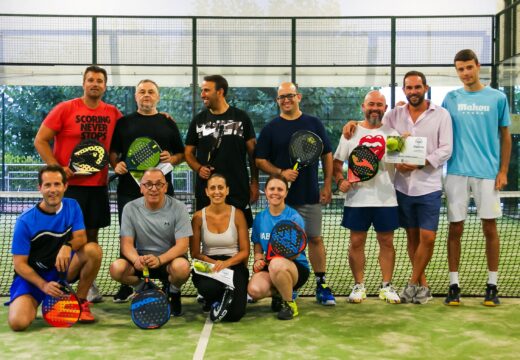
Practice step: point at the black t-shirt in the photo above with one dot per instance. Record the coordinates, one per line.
(157, 127)
(230, 159)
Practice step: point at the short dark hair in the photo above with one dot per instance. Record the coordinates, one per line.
(277, 177)
(52, 168)
(95, 69)
(220, 82)
(415, 73)
(466, 55)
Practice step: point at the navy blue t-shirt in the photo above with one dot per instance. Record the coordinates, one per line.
(273, 145)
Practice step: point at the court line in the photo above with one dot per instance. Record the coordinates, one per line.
(203, 340)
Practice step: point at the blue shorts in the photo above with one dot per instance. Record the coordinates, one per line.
(20, 286)
(384, 219)
(419, 211)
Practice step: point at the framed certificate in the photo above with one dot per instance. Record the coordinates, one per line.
(413, 152)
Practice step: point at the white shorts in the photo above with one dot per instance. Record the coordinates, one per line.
(458, 189)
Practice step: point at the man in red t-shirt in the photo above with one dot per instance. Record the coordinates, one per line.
(67, 124)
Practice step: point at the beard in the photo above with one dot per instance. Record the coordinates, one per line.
(373, 120)
(415, 100)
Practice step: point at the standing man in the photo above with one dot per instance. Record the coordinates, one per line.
(155, 231)
(419, 188)
(50, 238)
(372, 202)
(305, 196)
(69, 123)
(145, 122)
(479, 164)
(219, 139)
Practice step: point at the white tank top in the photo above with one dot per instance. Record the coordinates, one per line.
(219, 244)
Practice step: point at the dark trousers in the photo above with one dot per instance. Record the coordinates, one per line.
(212, 290)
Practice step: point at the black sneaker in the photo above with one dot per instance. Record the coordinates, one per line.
(124, 294)
(491, 298)
(289, 310)
(175, 304)
(219, 309)
(453, 298)
(276, 303)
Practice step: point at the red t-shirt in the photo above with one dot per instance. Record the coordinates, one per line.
(73, 121)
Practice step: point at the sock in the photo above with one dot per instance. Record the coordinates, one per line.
(174, 289)
(492, 277)
(385, 284)
(454, 277)
(320, 278)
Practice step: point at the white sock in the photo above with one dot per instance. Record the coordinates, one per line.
(454, 277)
(492, 277)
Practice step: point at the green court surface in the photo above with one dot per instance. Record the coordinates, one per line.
(371, 330)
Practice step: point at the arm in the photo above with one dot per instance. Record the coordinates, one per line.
(180, 248)
(267, 167)
(443, 152)
(254, 192)
(341, 182)
(203, 171)
(260, 262)
(505, 156)
(174, 159)
(243, 244)
(42, 143)
(326, 191)
(118, 166)
(195, 239)
(22, 268)
(79, 239)
(129, 251)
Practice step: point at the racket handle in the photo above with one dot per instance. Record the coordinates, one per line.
(295, 167)
(146, 273)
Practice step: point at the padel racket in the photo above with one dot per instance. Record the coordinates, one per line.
(287, 240)
(150, 308)
(212, 154)
(363, 164)
(88, 157)
(143, 153)
(305, 148)
(62, 311)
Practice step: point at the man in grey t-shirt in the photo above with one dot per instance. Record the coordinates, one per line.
(155, 231)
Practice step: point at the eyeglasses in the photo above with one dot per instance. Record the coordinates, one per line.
(288, 97)
(149, 185)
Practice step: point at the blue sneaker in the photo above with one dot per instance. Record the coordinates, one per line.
(324, 295)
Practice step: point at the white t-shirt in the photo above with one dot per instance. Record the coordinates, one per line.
(378, 191)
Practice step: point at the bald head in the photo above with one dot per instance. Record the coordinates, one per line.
(374, 107)
(287, 87)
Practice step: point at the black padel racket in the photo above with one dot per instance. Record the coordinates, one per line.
(62, 311)
(363, 164)
(305, 148)
(143, 153)
(287, 240)
(150, 308)
(88, 157)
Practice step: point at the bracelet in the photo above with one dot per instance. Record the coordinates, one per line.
(158, 258)
(67, 243)
(339, 182)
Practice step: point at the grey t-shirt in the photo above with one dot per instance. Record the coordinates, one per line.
(155, 232)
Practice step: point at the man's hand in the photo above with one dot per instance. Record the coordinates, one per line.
(120, 168)
(63, 258)
(344, 186)
(290, 175)
(325, 195)
(349, 129)
(152, 261)
(501, 180)
(52, 288)
(205, 171)
(68, 171)
(166, 157)
(168, 116)
(406, 167)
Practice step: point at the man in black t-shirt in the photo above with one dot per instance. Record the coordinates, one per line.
(219, 139)
(145, 122)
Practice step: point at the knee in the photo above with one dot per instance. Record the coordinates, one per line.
(357, 245)
(315, 240)
(255, 291)
(19, 323)
(179, 269)
(92, 252)
(117, 269)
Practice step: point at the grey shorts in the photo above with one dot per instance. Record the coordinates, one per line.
(311, 214)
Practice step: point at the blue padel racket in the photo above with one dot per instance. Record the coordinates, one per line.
(287, 240)
(88, 157)
(63, 311)
(143, 153)
(363, 164)
(150, 308)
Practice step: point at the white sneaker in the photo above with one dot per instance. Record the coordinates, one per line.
(93, 295)
(388, 294)
(358, 294)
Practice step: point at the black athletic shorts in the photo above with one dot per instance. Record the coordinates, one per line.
(93, 201)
